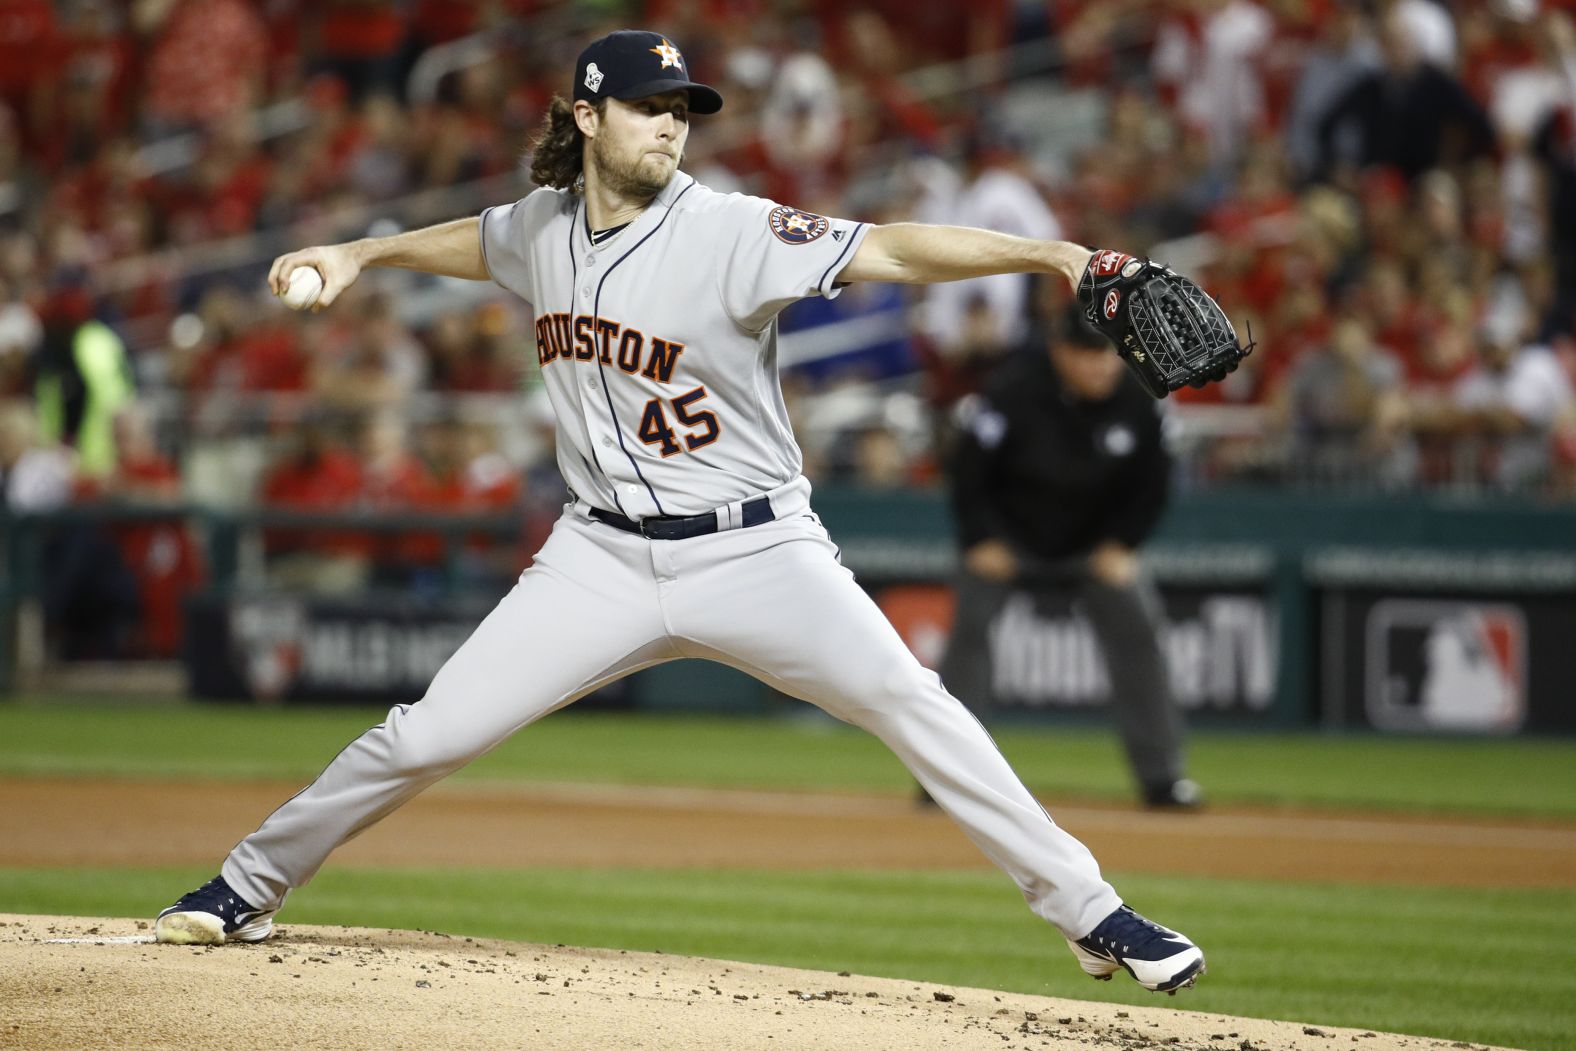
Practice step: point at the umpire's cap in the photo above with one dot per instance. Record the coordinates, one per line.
(631, 64)
(1072, 330)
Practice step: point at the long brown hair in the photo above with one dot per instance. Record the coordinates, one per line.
(556, 158)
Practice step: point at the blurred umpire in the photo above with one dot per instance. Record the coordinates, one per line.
(1059, 475)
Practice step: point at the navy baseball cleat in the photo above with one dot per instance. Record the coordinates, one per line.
(212, 915)
(1157, 958)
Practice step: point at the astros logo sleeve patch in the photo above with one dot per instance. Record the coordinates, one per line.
(795, 227)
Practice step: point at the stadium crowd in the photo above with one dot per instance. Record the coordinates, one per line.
(1384, 190)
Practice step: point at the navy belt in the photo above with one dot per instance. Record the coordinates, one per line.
(676, 527)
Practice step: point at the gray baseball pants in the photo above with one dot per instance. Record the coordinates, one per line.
(772, 600)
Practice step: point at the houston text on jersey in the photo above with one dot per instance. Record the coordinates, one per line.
(586, 338)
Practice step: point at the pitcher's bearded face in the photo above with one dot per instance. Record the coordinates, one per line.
(638, 144)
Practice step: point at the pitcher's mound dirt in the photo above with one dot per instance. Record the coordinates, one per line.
(82, 983)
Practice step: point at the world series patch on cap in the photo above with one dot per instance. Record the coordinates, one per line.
(632, 64)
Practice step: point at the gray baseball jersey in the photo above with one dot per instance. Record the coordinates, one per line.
(659, 348)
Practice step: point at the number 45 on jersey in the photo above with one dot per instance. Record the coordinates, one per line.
(702, 424)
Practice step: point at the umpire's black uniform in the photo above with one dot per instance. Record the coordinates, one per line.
(1055, 475)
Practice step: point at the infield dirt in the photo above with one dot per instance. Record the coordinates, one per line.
(62, 822)
(87, 984)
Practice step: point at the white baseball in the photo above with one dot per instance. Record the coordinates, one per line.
(306, 284)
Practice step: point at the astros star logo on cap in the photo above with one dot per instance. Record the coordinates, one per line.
(669, 54)
(618, 66)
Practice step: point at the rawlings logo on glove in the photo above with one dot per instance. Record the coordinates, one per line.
(1168, 330)
(1105, 263)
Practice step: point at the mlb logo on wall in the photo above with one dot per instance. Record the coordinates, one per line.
(1436, 665)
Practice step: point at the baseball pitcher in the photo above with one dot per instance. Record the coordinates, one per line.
(690, 532)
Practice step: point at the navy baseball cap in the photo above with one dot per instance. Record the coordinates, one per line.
(631, 64)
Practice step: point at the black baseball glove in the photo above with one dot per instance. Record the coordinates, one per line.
(1168, 330)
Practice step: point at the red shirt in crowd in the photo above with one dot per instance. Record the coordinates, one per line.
(208, 59)
(28, 45)
(487, 484)
(329, 480)
(360, 29)
(266, 358)
(161, 556)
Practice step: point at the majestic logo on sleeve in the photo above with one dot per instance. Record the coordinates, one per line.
(593, 77)
(670, 55)
(795, 227)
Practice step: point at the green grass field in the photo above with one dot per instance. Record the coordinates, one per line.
(1494, 966)
(1511, 777)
